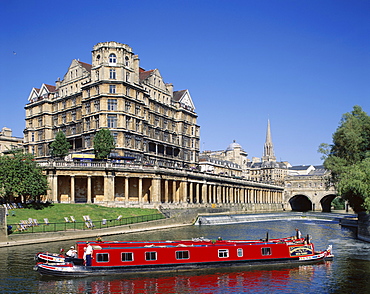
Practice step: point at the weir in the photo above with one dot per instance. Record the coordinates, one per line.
(243, 218)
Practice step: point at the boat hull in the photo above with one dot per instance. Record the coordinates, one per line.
(71, 270)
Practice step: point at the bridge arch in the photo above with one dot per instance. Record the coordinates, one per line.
(326, 202)
(300, 202)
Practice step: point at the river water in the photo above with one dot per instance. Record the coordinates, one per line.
(349, 272)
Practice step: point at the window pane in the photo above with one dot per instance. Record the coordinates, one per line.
(102, 257)
(150, 255)
(127, 256)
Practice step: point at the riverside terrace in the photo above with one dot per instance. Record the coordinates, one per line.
(130, 184)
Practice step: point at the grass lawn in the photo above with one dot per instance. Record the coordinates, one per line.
(55, 213)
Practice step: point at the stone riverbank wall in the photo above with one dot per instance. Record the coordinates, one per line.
(363, 229)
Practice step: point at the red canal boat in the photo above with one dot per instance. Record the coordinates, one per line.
(110, 257)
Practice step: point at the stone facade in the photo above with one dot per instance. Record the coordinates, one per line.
(8, 142)
(305, 189)
(231, 161)
(131, 184)
(148, 119)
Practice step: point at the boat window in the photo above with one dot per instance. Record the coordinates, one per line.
(223, 253)
(240, 252)
(151, 255)
(182, 254)
(266, 251)
(102, 257)
(127, 256)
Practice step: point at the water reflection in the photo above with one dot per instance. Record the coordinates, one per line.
(256, 281)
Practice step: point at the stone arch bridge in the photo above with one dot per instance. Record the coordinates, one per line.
(303, 193)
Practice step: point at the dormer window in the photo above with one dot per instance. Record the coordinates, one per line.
(112, 59)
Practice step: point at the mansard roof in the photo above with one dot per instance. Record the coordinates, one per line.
(267, 164)
(301, 167)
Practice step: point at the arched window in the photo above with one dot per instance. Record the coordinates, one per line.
(127, 61)
(112, 58)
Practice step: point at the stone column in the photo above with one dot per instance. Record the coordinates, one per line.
(184, 189)
(127, 188)
(73, 189)
(89, 189)
(219, 194)
(166, 191)
(174, 194)
(156, 190)
(204, 193)
(140, 190)
(109, 187)
(55, 188)
(197, 199)
(191, 192)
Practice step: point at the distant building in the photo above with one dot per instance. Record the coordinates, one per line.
(148, 119)
(231, 162)
(268, 170)
(8, 142)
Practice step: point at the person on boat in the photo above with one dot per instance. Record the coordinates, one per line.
(88, 254)
(298, 234)
(72, 252)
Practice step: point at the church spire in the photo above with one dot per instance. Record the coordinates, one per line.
(268, 152)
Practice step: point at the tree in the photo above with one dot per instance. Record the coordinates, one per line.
(60, 146)
(20, 175)
(103, 143)
(348, 159)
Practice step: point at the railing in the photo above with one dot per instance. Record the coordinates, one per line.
(44, 227)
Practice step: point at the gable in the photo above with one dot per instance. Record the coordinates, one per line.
(46, 89)
(184, 98)
(34, 94)
(77, 70)
(152, 78)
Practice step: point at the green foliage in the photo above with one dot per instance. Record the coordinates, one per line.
(60, 146)
(103, 143)
(338, 203)
(21, 176)
(348, 159)
(354, 184)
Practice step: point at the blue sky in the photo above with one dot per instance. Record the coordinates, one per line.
(300, 63)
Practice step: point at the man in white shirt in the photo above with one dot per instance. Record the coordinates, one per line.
(88, 254)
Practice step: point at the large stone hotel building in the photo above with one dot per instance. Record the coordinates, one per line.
(149, 120)
(151, 123)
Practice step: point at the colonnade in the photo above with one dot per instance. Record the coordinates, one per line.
(154, 187)
(145, 189)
